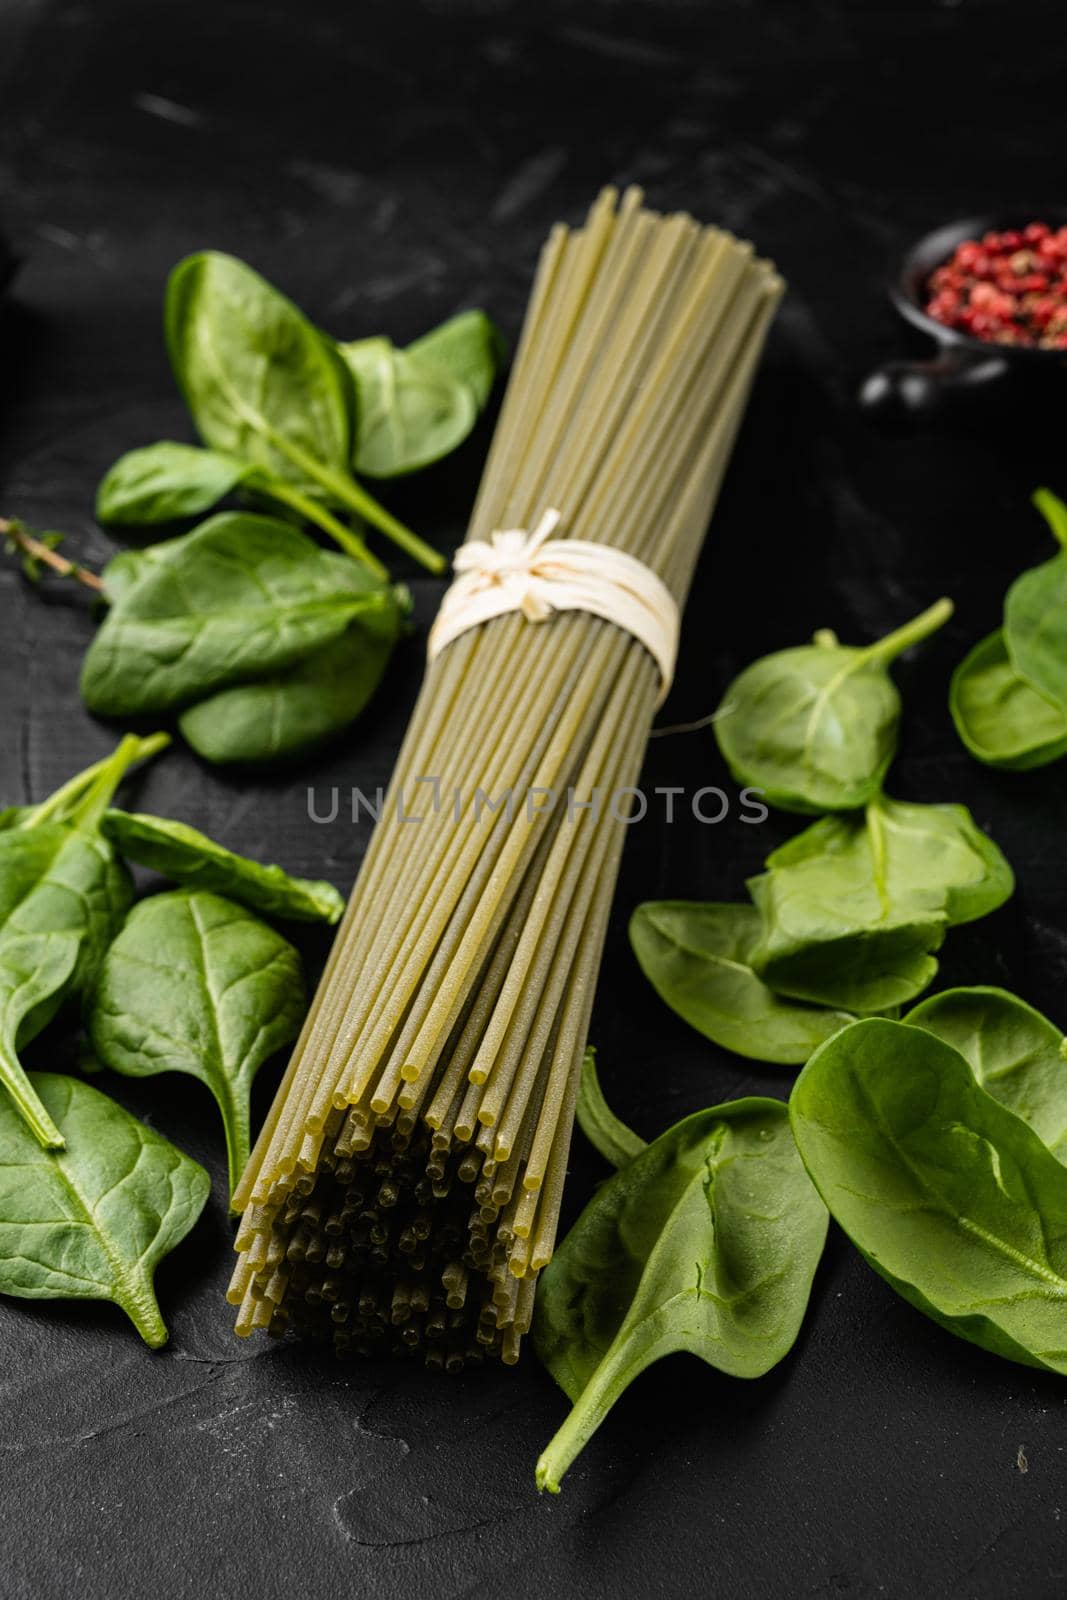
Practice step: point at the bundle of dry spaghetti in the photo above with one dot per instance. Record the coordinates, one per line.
(405, 1189)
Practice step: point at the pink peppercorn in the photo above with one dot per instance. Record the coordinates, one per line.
(1009, 287)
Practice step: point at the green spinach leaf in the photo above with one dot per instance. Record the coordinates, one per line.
(165, 481)
(93, 1220)
(1035, 613)
(410, 412)
(265, 387)
(1017, 1055)
(284, 714)
(62, 894)
(67, 801)
(854, 907)
(946, 1193)
(261, 384)
(187, 856)
(196, 984)
(815, 728)
(469, 346)
(1001, 718)
(238, 597)
(415, 406)
(617, 1143)
(707, 1241)
(698, 958)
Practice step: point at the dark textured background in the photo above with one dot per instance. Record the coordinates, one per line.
(388, 163)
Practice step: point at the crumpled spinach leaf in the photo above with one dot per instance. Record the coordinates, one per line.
(708, 1241)
(698, 958)
(291, 711)
(165, 481)
(815, 728)
(196, 984)
(1001, 718)
(187, 856)
(617, 1143)
(946, 1193)
(854, 907)
(1017, 1055)
(1035, 613)
(236, 598)
(93, 1220)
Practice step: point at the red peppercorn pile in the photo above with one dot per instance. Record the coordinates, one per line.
(1009, 288)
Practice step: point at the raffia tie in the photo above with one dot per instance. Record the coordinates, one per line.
(514, 570)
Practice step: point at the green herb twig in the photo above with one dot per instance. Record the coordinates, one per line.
(35, 549)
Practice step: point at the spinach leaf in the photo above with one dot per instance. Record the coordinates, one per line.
(416, 405)
(62, 893)
(469, 346)
(617, 1143)
(264, 386)
(853, 908)
(196, 984)
(185, 855)
(815, 728)
(92, 1221)
(1001, 718)
(238, 597)
(165, 481)
(291, 711)
(68, 800)
(126, 569)
(946, 1193)
(261, 384)
(698, 958)
(1035, 613)
(1017, 1055)
(410, 412)
(707, 1241)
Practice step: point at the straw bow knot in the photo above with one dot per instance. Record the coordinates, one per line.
(510, 560)
(537, 575)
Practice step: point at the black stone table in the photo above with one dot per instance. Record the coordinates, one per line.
(388, 163)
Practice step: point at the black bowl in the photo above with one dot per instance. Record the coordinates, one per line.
(964, 368)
